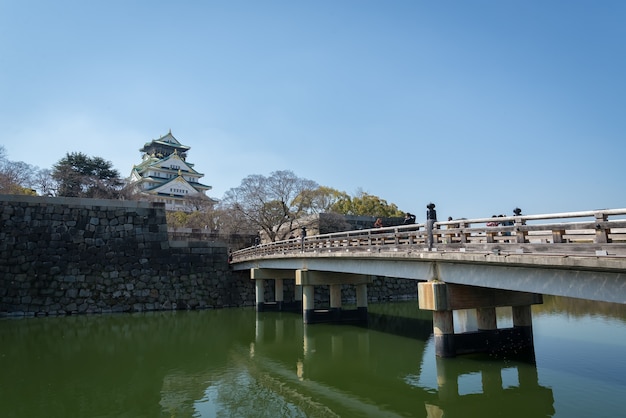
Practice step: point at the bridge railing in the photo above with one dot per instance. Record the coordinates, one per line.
(567, 232)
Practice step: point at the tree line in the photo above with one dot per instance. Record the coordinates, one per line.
(273, 204)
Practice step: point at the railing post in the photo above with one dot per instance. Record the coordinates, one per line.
(463, 233)
(520, 235)
(557, 236)
(602, 233)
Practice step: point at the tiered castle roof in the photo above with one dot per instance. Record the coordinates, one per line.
(165, 174)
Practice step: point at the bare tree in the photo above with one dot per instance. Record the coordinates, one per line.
(44, 183)
(16, 177)
(270, 204)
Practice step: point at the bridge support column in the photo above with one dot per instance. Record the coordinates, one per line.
(259, 286)
(443, 330)
(297, 293)
(260, 276)
(308, 303)
(443, 299)
(486, 318)
(278, 293)
(309, 279)
(523, 323)
(335, 302)
(361, 301)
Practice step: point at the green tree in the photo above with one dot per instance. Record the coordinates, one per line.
(366, 205)
(320, 200)
(78, 175)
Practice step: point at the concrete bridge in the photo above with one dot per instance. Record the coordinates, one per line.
(459, 265)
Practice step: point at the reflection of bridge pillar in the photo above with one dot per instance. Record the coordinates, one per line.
(308, 344)
(492, 383)
(336, 346)
(364, 344)
(447, 380)
(444, 298)
(258, 329)
(527, 376)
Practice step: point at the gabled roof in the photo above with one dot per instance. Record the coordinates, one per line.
(162, 165)
(183, 165)
(167, 140)
(180, 183)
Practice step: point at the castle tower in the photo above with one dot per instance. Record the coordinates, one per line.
(164, 174)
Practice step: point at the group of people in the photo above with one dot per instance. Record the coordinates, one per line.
(496, 222)
(409, 219)
(431, 218)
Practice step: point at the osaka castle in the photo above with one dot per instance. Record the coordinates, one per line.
(164, 175)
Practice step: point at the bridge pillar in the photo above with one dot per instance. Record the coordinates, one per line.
(443, 299)
(523, 322)
(443, 330)
(308, 303)
(486, 318)
(298, 293)
(278, 293)
(309, 279)
(335, 301)
(361, 301)
(259, 286)
(278, 276)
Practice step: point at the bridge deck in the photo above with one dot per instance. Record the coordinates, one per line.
(578, 259)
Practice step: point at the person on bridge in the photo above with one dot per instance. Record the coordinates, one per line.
(493, 223)
(302, 238)
(431, 218)
(409, 219)
(378, 223)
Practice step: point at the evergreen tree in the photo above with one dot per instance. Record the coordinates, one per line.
(78, 175)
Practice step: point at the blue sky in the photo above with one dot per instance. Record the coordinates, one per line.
(477, 106)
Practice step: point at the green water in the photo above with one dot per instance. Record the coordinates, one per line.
(235, 363)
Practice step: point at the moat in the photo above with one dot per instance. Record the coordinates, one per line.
(235, 362)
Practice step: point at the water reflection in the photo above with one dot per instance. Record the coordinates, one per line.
(467, 387)
(235, 362)
(364, 372)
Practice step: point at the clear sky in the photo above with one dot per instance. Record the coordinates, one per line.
(478, 106)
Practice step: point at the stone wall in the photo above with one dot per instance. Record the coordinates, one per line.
(62, 256)
(69, 255)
